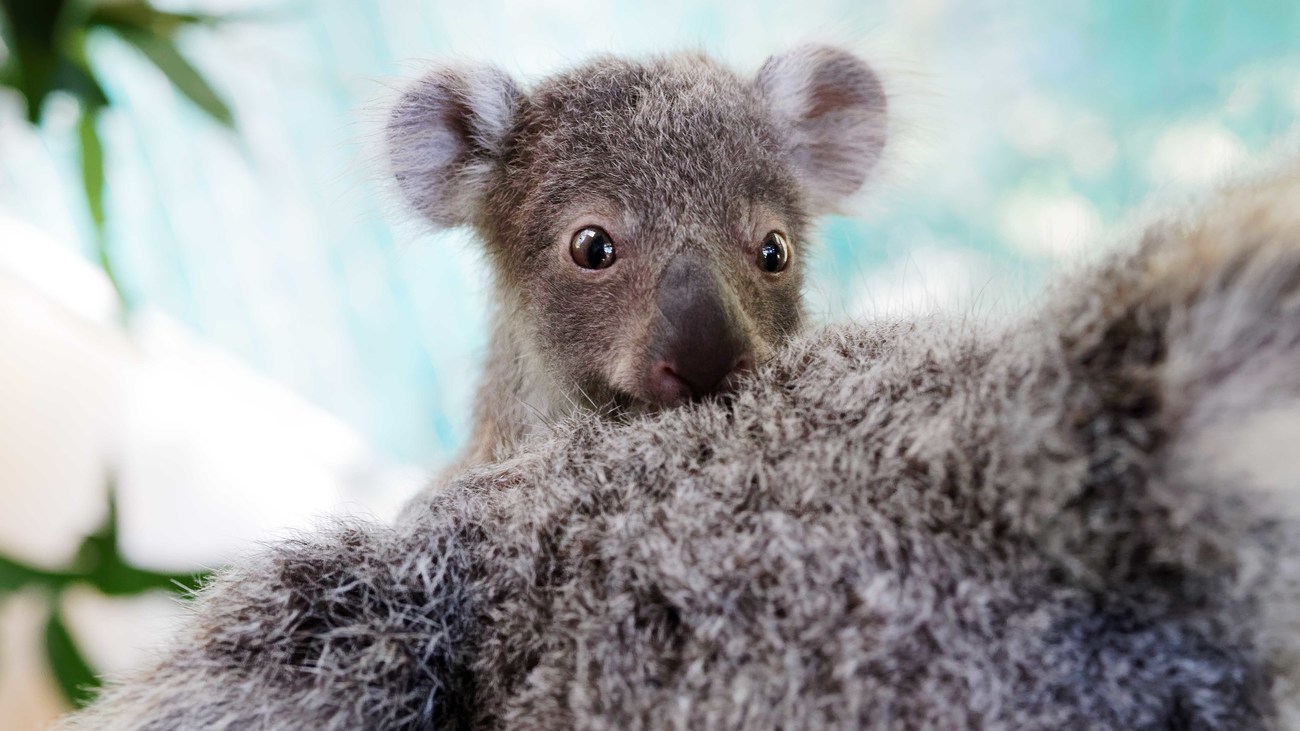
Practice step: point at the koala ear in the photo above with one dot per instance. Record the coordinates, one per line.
(446, 135)
(832, 110)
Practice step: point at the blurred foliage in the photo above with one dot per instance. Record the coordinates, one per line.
(47, 42)
(99, 564)
(47, 55)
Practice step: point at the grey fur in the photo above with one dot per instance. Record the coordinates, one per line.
(1084, 520)
(678, 158)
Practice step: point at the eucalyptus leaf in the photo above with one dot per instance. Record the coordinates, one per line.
(34, 27)
(187, 79)
(92, 182)
(100, 563)
(92, 167)
(6, 40)
(15, 576)
(140, 15)
(75, 76)
(112, 576)
(75, 677)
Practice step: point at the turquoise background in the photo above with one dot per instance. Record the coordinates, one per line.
(1022, 133)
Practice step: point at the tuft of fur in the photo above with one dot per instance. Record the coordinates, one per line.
(1085, 520)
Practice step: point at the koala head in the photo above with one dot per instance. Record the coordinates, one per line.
(646, 222)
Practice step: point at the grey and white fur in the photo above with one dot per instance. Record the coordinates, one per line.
(686, 166)
(1084, 520)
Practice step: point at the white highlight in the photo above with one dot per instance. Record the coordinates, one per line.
(1197, 154)
(931, 278)
(1058, 226)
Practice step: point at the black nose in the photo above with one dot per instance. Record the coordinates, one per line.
(698, 344)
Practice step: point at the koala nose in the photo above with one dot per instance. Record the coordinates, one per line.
(698, 347)
(668, 385)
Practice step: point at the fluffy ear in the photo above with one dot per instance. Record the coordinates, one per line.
(832, 109)
(445, 136)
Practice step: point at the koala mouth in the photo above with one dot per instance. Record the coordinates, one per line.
(624, 405)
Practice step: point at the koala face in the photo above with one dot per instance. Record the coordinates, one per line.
(647, 222)
(649, 227)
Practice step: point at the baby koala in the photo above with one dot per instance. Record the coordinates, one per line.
(645, 222)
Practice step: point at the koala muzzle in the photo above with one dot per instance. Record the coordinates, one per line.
(698, 345)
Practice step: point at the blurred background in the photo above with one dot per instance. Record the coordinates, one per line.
(218, 326)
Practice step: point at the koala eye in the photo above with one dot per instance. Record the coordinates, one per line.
(774, 254)
(592, 248)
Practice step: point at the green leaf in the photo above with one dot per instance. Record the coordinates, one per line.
(34, 29)
(100, 563)
(76, 678)
(15, 576)
(75, 76)
(142, 16)
(187, 79)
(92, 166)
(7, 69)
(92, 182)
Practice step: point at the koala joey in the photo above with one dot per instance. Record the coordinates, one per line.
(645, 223)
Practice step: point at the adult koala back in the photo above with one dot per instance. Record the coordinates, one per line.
(1086, 520)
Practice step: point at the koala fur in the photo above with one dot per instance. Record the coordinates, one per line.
(684, 163)
(1087, 519)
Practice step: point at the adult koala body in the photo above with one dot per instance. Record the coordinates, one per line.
(644, 221)
(1089, 519)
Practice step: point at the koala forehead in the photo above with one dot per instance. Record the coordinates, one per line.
(677, 141)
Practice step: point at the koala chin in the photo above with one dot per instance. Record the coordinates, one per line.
(646, 222)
